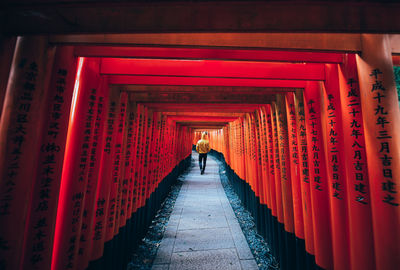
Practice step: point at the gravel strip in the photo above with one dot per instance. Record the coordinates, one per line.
(144, 255)
(260, 249)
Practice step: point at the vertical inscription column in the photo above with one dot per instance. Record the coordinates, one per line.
(43, 209)
(335, 168)
(358, 189)
(95, 155)
(294, 166)
(381, 116)
(304, 171)
(286, 180)
(20, 137)
(105, 174)
(75, 167)
(318, 177)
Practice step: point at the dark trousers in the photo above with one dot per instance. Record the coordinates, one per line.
(202, 158)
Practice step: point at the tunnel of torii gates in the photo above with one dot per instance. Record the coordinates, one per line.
(92, 137)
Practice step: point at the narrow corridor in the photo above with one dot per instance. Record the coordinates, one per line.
(203, 232)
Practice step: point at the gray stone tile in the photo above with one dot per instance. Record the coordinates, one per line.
(204, 239)
(206, 260)
(164, 251)
(160, 267)
(204, 221)
(249, 264)
(203, 232)
(242, 248)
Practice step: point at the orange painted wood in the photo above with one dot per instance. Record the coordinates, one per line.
(127, 184)
(95, 155)
(380, 107)
(208, 53)
(265, 157)
(113, 210)
(294, 165)
(271, 160)
(43, 209)
(260, 150)
(305, 176)
(284, 158)
(213, 68)
(201, 81)
(105, 177)
(76, 166)
(318, 177)
(21, 128)
(277, 171)
(334, 146)
(119, 158)
(361, 248)
(136, 153)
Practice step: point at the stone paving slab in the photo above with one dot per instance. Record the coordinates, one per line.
(203, 232)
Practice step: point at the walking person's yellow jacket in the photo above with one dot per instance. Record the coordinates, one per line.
(203, 145)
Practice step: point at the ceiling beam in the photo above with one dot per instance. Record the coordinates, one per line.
(207, 54)
(167, 97)
(332, 42)
(202, 89)
(234, 114)
(202, 107)
(199, 81)
(59, 16)
(184, 118)
(212, 69)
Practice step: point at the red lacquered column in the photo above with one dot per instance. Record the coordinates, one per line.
(115, 171)
(286, 181)
(318, 177)
(96, 150)
(304, 172)
(361, 246)
(294, 166)
(278, 187)
(381, 115)
(76, 166)
(334, 147)
(43, 209)
(21, 126)
(105, 175)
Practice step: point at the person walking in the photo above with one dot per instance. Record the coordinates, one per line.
(203, 147)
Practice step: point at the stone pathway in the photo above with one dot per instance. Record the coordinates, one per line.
(203, 232)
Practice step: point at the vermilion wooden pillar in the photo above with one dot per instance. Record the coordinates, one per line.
(118, 164)
(20, 140)
(286, 180)
(278, 187)
(260, 156)
(263, 140)
(334, 147)
(105, 174)
(96, 151)
(271, 160)
(76, 166)
(127, 184)
(381, 116)
(294, 166)
(318, 179)
(112, 215)
(43, 209)
(361, 246)
(304, 171)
